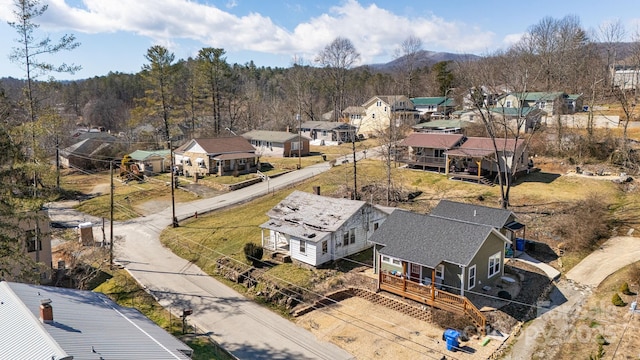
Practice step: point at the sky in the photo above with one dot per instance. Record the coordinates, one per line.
(115, 34)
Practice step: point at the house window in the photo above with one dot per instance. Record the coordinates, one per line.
(375, 226)
(325, 247)
(471, 282)
(396, 262)
(379, 103)
(386, 259)
(352, 236)
(33, 243)
(324, 132)
(303, 247)
(373, 115)
(507, 104)
(385, 109)
(242, 161)
(439, 272)
(390, 260)
(295, 145)
(345, 238)
(494, 264)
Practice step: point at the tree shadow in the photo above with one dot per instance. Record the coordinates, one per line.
(537, 177)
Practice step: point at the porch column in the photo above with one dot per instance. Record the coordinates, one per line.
(479, 163)
(404, 276)
(464, 269)
(447, 164)
(379, 274)
(433, 286)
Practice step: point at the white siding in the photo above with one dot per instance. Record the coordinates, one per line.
(309, 256)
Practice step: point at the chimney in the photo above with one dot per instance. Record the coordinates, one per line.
(474, 213)
(316, 190)
(287, 128)
(46, 311)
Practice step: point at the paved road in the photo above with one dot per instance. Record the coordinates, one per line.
(241, 326)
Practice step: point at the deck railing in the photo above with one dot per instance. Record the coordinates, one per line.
(428, 295)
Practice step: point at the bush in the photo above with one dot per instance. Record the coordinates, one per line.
(624, 288)
(253, 252)
(617, 300)
(601, 340)
(583, 224)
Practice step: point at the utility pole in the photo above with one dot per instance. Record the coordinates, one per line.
(299, 118)
(174, 220)
(57, 164)
(111, 218)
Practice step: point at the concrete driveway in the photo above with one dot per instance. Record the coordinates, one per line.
(613, 255)
(244, 328)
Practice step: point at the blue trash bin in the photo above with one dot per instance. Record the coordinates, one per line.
(520, 244)
(451, 337)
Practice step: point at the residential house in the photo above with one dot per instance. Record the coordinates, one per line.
(354, 113)
(315, 229)
(625, 77)
(428, 150)
(574, 103)
(476, 159)
(384, 110)
(434, 260)
(443, 126)
(433, 107)
(328, 132)
(43, 322)
(527, 118)
(218, 156)
(503, 220)
(152, 162)
(31, 233)
(277, 143)
(87, 153)
(552, 103)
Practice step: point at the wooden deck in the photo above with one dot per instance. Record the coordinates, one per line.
(431, 296)
(425, 162)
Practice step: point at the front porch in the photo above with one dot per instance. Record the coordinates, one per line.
(425, 162)
(432, 296)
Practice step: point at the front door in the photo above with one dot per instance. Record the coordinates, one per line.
(414, 272)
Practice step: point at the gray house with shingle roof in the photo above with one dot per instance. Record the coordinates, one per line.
(43, 322)
(315, 229)
(455, 255)
(428, 150)
(328, 132)
(220, 156)
(278, 143)
(503, 220)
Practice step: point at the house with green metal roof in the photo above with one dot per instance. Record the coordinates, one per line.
(552, 103)
(152, 161)
(278, 143)
(428, 106)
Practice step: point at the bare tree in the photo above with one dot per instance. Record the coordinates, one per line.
(337, 58)
(610, 34)
(408, 56)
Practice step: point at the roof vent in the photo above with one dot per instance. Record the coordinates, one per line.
(474, 213)
(46, 311)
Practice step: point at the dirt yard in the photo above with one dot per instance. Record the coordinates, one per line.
(369, 331)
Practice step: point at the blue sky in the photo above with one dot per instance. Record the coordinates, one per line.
(115, 34)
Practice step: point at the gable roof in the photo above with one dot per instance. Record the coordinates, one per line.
(430, 240)
(477, 214)
(87, 147)
(140, 155)
(221, 145)
(442, 124)
(326, 125)
(538, 95)
(86, 325)
(514, 111)
(481, 146)
(390, 100)
(272, 136)
(354, 110)
(425, 101)
(310, 216)
(432, 140)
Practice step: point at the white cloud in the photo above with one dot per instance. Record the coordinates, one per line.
(376, 32)
(231, 4)
(511, 39)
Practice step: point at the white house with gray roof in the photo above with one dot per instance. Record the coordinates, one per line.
(328, 132)
(278, 143)
(43, 322)
(315, 229)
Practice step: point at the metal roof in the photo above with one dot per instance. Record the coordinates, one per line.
(422, 101)
(430, 240)
(140, 155)
(272, 136)
(88, 325)
(310, 216)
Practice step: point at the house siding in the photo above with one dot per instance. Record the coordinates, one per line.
(310, 254)
(492, 245)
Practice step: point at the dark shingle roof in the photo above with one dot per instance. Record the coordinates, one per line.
(477, 214)
(429, 240)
